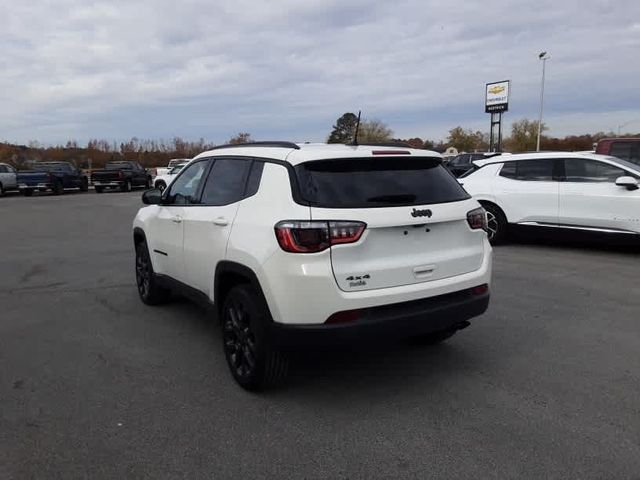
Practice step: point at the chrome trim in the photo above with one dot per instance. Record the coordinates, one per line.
(578, 227)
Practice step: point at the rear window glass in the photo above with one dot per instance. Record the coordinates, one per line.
(377, 182)
(118, 166)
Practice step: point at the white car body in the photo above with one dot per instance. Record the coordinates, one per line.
(584, 192)
(8, 178)
(378, 262)
(161, 171)
(164, 180)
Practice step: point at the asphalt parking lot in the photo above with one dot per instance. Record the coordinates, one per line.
(93, 384)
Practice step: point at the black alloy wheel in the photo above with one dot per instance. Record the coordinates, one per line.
(239, 340)
(148, 289)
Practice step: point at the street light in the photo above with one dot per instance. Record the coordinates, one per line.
(544, 57)
(620, 127)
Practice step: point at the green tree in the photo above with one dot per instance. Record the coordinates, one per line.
(344, 129)
(524, 134)
(466, 140)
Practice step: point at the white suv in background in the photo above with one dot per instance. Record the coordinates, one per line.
(577, 191)
(315, 244)
(8, 178)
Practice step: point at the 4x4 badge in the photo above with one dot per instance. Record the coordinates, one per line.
(421, 213)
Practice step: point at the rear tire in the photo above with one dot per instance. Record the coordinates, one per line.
(126, 186)
(1, 190)
(99, 189)
(148, 289)
(253, 361)
(496, 223)
(27, 193)
(84, 186)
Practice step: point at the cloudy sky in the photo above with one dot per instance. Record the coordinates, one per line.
(286, 69)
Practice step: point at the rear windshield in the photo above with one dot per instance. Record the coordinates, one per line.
(377, 182)
(117, 166)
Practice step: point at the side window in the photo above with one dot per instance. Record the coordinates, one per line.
(529, 170)
(3, 169)
(253, 183)
(184, 189)
(578, 170)
(226, 181)
(621, 150)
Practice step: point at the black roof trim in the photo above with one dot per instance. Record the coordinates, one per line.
(275, 144)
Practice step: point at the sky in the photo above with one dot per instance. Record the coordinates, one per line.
(287, 69)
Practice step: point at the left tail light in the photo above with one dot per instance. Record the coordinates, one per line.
(477, 219)
(300, 236)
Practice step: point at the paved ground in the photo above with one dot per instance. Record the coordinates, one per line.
(95, 385)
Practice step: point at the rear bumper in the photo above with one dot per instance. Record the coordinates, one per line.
(113, 184)
(388, 322)
(34, 186)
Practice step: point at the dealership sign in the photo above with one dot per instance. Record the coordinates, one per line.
(497, 97)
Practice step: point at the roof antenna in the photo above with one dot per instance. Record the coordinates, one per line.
(355, 135)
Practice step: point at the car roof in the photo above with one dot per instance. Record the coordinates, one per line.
(514, 157)
(296, 153)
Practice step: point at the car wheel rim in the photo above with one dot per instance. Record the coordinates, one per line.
(239, 340)
(492, 225)
(142, 274)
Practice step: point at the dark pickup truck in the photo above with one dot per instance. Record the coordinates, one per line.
(121, 175)
(54, 176)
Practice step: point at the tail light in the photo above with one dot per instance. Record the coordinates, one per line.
(52, 177)
(120, 175)
(300, 236)
(477, 219)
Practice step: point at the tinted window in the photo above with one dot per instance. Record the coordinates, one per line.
(226, 182)
(529, 170)
(118, 166)
(578, 170)
(3, 169)
(377, 182)
(626, 150)
(460, 160)
(253, 183)
(184, 190)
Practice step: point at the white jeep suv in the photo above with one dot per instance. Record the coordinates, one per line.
(560, 190)
(315, 244)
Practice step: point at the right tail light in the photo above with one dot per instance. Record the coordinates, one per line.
(477, 219)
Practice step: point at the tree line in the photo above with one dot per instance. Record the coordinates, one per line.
(154, 153)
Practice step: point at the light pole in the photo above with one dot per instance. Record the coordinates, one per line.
(544, 57)
(620, 127)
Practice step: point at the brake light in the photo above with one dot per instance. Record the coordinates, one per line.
(300, 236)
(477, 219)
(390, 152)
(120, 175)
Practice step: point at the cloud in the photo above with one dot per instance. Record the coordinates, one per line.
(287, 69)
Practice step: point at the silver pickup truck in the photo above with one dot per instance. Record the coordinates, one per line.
(8, 178)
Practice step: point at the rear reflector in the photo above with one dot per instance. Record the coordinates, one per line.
(480, 289)
(390, 152)
(301, 236)
(344, 317)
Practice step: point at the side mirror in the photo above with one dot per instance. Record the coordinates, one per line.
(152, 197)
(629, 182)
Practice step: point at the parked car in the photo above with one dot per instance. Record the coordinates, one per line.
(625, 148)
(161, 181)
(577, 191)
(160, 171)
(461, 164)
(123, 175)
(52, 176)
(8, 178)
(297, 245)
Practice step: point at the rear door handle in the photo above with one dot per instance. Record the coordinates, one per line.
(176, 219)
(221, 222)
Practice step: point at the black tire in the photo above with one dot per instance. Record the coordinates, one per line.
(1, 190)
(99, 189)
(126, 186)
(27, 193)
(57, 188)
(252, 360)
(147, 185)
(84, 186)
(496, 223)
(433, 338)
(160, 185)
(148, 289)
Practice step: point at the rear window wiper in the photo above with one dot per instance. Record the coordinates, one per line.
(403, 198)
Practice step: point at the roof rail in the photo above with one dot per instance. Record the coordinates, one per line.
(259, 144)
